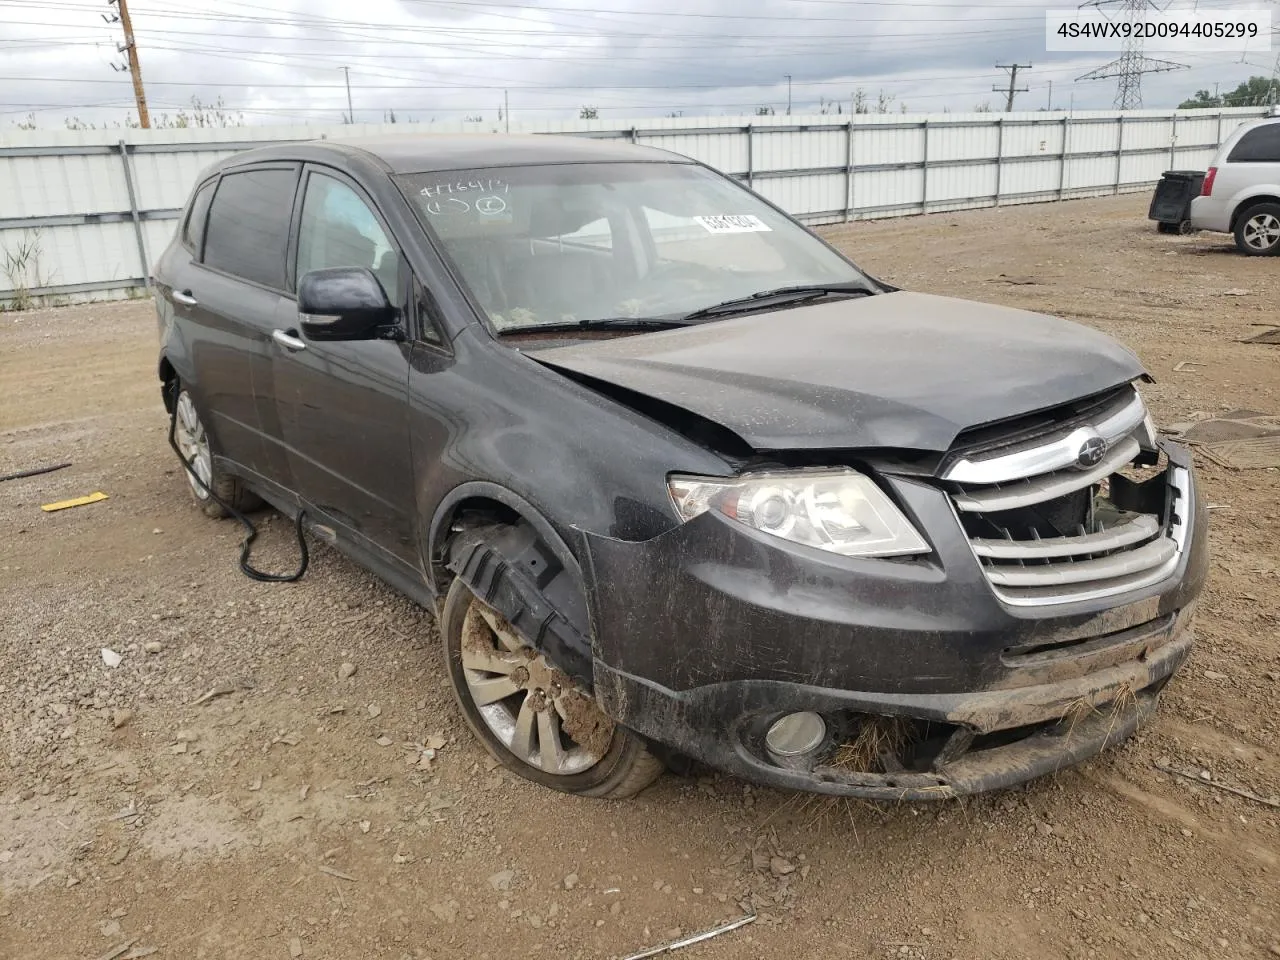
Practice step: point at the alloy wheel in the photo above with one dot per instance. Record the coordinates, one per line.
(534, 709)
(1262, 231)
(194, 444)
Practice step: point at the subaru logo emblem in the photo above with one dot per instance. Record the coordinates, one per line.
(1091, 452)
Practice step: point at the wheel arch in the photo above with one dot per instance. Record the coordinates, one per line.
(498, 502)
(168, 376)
(1249, 203)
(513, 559)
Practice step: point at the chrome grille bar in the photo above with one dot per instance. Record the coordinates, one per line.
(1153, 554)
(1024, 493)
(1044, 528)
(1042, 595)
(1140, 528)
(1046, 453)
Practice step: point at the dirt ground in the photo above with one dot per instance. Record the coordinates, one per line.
(303, 815)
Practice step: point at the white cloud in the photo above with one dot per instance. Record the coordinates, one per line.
(280, 60)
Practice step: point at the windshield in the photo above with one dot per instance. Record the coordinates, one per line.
(577, 243)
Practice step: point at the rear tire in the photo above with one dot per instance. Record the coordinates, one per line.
(197, 451)
(1257, 230)
(612, 764)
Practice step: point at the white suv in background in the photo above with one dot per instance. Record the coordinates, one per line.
(1241, 193)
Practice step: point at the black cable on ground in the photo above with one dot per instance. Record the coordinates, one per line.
(33, 473)
(251, 532)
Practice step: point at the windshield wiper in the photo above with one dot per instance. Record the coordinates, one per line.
(785, 295)
(601, 323)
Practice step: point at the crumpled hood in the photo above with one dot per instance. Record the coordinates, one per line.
(901, 370)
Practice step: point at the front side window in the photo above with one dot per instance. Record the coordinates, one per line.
(577, 243)
(193, 229)
(248, 228)
(340, 230)
(1259, 145)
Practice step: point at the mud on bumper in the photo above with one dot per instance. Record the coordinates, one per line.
(733, 630)
(972, 742)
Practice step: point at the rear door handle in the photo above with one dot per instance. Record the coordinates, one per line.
(184, 297)
(288, 340)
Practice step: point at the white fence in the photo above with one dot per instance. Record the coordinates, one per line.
(83, 214)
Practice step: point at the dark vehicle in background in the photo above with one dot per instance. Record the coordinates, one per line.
(679, 479)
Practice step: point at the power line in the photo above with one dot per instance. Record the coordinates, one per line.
(452, 108)
(578, 12)
(414, 83)
(1013, 69)
(494, 42)
(544, 8)
(505, 35)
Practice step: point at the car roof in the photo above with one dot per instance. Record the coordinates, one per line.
(430, 152)
(1248, 125)
(1230, 141)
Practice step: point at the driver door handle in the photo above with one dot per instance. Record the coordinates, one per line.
(287, 340)
(184, 297)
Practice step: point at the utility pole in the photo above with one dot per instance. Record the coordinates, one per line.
(1013, 88)
(1275, 77)
(788, 76)
(1131, 64)
(1051, 96)
(130, 49)
(346, 72)
(506, 110)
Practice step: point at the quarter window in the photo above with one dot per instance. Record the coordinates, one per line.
(339, 230)
(249, 225)
(1260, 145)
(193, 229)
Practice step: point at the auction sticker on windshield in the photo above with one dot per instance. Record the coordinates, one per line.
(734, 224)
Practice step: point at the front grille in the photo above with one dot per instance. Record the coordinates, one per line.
(1044, 425)
(1046, 527)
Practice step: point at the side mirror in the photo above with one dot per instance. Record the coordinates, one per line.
(343, 303)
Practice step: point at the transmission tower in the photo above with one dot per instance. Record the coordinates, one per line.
(1131, 64)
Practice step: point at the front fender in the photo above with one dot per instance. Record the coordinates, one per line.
(513, 570)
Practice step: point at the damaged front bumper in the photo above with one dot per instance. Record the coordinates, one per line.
(734, 630)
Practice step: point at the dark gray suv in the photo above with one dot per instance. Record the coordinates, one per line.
(680, 480)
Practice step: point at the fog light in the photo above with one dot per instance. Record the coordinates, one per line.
(791, 739)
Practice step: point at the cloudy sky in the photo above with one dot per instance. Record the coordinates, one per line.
(281, 60)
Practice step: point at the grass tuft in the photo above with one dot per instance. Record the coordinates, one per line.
(876, 738)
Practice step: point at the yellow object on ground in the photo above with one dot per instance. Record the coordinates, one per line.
(77, 502)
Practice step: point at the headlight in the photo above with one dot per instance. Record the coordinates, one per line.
(837, 510)
(1149, 440)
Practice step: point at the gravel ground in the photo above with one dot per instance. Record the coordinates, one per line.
(226, 792)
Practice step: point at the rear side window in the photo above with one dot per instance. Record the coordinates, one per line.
(193, 229)
(249, 225)
(1259, 145)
